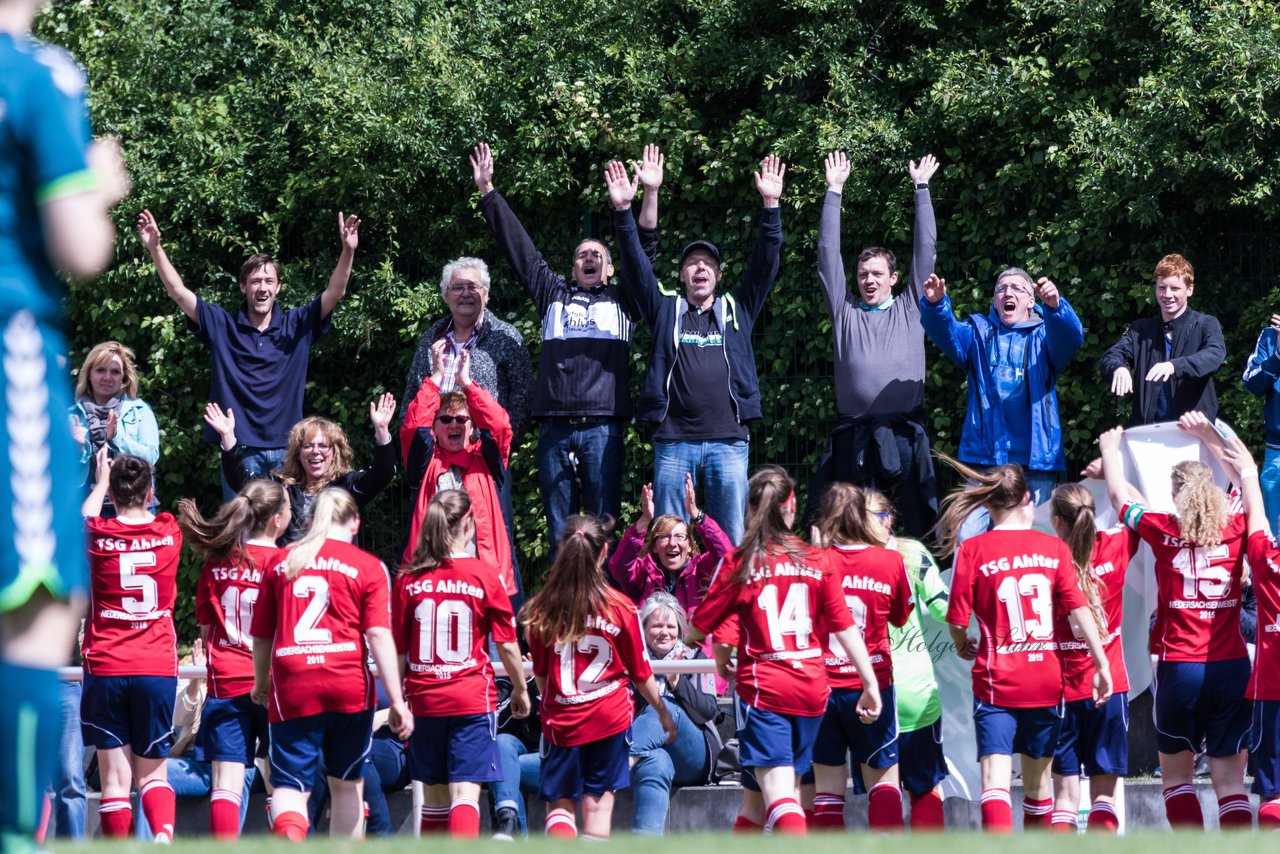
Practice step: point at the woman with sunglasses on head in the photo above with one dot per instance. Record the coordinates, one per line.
(318, 456)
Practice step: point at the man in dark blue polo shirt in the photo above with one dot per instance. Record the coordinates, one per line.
(260, 352)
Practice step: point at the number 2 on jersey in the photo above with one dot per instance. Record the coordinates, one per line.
(317, 590)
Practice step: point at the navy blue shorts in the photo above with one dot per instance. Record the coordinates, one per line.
(137, 711)
(1264, 745)
(1002, 731)
(1094, 739)
(592, 768)
(774, 740)
(456, 749)
(339, 740)
(841, 732)
(921, 763)
(232, 730)
(1202, 703)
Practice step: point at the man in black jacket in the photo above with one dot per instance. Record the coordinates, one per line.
(1175, 354)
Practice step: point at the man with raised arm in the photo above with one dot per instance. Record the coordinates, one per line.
(582, 394)
(880, 439)
(701, 386)
(260, 352)
(1013, 356)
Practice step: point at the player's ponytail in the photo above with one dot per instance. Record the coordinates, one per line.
(1201, 503)
(246, 516)
(845, 517)
(767, 529)
(998, 488)
(442, 526)
(1073, 504)
(333, 506)
(576, 589)
(129, 482)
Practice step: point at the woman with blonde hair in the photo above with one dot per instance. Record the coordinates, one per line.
(321, 612)
(108, 412)
(1203, 668)
(318, 456)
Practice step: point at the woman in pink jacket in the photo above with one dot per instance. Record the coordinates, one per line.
(660, 554)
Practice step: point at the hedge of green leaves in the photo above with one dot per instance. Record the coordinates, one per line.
(1081, 139)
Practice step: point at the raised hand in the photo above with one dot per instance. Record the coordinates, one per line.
(1195, 423)
(1110, 440)
(837, 171)
(482, 167)
(148, 231)
(934, 288)
(102, 466)
(1236, 454)
(622, 190)
(1160, 372)
(690, 498)
(769, 180)
(349, 231)
(1048, 292)
(1121, 382)
(1093, 471)
(649, 171)
(464, 368)
(108, 167)
(222, 422)
(437, 361)
(380, 412)
(113, 421)
(921, 172)
(197, 653)
(1275, 321)
(646, 508)
(78, 431)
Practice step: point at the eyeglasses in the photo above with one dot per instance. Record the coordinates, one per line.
(677, 536)
(1017, 289)
(317, 446)
(885, 515)
(453, 419)
(464, 288)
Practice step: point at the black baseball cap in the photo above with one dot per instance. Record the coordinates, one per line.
(701, 244)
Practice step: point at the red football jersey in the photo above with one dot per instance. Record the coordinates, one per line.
(1264, 563)
(586, 697)
(780, 667)
(442, 621)
(1198, 611)
(1014, 582)
(876, 588)
(225, 598)
(1113, 549)
(316, 625)
(134, 583)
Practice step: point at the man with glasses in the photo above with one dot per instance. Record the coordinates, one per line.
(260, 353)
(1012, 357)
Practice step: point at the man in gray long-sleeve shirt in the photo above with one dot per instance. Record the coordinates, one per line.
(880, 439)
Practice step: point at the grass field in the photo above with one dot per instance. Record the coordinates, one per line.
(950, 843)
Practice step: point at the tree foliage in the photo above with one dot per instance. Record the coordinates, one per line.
(1081, 139)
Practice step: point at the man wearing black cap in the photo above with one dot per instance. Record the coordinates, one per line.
(701, 387)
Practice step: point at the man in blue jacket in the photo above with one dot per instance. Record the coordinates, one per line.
(1013, 356)
(1262, 377)
(701, 387)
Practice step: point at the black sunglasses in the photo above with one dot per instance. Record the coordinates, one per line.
(453, 419)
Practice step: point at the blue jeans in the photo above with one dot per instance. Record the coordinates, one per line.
(520, 769)
(660, 767)
(597, 489)
(386, 771)
(1269, 476)
(719, 469)
(192, 778)
(1039, 483)
(258, 462)
(69, 807)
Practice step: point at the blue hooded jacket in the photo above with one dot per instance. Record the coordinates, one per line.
(1053, 337)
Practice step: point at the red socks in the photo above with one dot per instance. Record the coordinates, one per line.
(786, 818)
(116, 816)
(1103, 818)
(1036, 814)
(884, 808)
(433, 820)
(1235, 813)
(743, 826)
(290, 825)
(224, 814)
(1063, 821)
(926, 812)
(159, 806)
(1269, 815)
(464, 819)
(997, 811)
(810, 816)
(828, 812)
(561, 825)
(1182, 807)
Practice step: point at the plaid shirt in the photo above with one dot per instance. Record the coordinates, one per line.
(450, 362)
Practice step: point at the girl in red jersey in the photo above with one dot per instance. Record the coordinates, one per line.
(320, 613)
(1094, 737)
(1203, 667)
(130, 649)
(586, 641)
(239, 547)
(875, 586)
(778, 589)
(1014, 580)
(445, 607)
(1264, 684)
